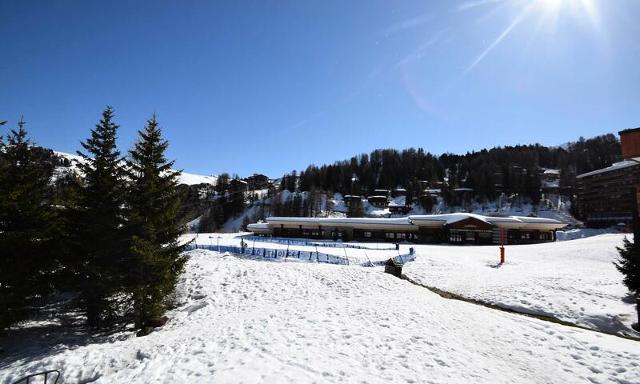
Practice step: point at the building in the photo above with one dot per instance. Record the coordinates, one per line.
(398, 206)
(606, 197)
(238, 185)
(378, 201)
(456, 228)
(350, 200)
(399, 192)
(550, 180)
(257, 181)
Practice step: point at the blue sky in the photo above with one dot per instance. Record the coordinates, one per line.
(271, 86)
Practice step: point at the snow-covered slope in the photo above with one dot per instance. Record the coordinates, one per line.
(193, 179)
(248, 321)
(185, 178)
(574, 281)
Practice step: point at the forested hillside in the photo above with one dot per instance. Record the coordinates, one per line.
(511, 169)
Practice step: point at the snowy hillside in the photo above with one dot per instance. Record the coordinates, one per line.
(250, 321)
(574, 281)
(185, 178)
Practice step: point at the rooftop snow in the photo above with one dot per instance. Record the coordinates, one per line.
(614, 167)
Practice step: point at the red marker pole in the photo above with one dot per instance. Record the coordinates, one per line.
(501, 246)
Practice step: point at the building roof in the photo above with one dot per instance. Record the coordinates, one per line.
(629, 130)
(410, 223)
(614, 167)
(401, 223)
(448, 218)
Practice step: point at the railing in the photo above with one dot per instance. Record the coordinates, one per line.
(38, 378)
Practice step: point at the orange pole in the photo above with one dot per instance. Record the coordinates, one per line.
(501, 246)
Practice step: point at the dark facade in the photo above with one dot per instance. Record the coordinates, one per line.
(257, 181)
(378, 201)
(606, 198)
(399, 209)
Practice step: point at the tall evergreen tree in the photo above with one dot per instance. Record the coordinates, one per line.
(629, 262)
(27, 227)
(153, 204)
(629, 265)
(99, 241)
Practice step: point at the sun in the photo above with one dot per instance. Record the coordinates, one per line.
(574, 7)
(548, 13)
(553, 9)
(550, 5)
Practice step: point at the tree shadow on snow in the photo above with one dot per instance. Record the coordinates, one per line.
(53, 328)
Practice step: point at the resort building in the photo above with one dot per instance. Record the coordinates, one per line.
(606, 197)
(457, 228)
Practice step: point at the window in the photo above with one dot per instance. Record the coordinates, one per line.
(367, 234)
(390, 235)
(401, 235)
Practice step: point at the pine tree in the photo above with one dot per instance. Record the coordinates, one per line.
(28, 238)
(155, 259)
(99, 241)
(629, 265)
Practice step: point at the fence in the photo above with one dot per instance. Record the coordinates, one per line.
(315, 243)
(275, 254)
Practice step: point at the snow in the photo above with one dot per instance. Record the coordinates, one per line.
(579, 233)
(250, 321)
(399, 201)
(234, 223)
(574, 281)
(193, 179)
(185, 178)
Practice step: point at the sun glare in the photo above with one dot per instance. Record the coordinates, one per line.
(572, 7)
(548, 12)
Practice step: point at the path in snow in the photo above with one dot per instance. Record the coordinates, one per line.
(254, 321)
(573, 281)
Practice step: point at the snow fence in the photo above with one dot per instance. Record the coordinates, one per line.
(291, 254)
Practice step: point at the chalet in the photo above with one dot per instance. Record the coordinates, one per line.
(399, 192)
(399, 209)
(257, 181)
(455, 228)
(378, 201)
(350, 200)
(381, 192)
(606, 197)
(550, 180)
(238, 185)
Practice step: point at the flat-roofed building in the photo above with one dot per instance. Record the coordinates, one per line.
(606, 196)
(456, 228)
